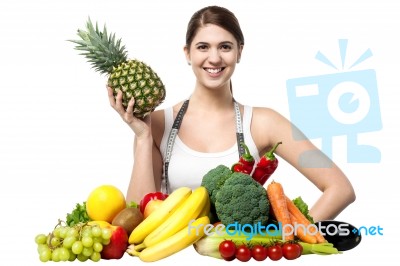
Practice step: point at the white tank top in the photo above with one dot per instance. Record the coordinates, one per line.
(187, 166)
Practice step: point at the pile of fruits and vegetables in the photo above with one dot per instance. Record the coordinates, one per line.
(217, 218)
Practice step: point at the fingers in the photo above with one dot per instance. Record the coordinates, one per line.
(115, 101)
(136, 124)
(118, 103)
(131, 103)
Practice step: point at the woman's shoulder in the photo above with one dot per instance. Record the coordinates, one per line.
(265, 113)
(266, 124)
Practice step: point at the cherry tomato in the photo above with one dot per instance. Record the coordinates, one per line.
(291, 251)
(229, 258)
(301, 249)
(259, 252)
(275, 252)
(243, 253)
(227, 249)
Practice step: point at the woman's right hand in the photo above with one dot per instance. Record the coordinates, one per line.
(141, 128)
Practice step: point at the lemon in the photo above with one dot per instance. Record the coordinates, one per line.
(104, 203)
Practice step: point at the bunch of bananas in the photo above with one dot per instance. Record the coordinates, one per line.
(178, 223)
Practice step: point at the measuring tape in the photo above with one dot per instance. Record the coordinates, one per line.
(175, 129)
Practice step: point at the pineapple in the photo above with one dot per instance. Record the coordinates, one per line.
(134, 78)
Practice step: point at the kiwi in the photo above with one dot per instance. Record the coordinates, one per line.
(128, 219)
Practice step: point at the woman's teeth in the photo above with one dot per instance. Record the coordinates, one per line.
(213, 70)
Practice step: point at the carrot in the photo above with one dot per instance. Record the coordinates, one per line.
(301, 232)
(277, 199)
(300, 219)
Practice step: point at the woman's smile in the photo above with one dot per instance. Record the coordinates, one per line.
(214, 72)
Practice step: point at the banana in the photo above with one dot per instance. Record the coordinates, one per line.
(206, 209)
(173, 244)
(187, 211)
(158, 216)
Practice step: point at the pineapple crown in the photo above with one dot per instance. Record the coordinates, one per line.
(101, 49)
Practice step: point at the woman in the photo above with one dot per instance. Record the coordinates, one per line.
(206, 136)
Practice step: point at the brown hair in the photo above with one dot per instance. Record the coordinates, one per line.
(215, 15)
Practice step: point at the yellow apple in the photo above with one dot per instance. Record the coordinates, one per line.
(151, 206)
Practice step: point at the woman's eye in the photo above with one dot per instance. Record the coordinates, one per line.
(202, 47)
(226, 47)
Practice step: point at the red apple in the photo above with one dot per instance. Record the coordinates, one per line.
(151, 206)
(118, 244)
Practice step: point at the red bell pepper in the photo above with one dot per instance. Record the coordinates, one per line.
(246, 162)
(266, 166)
(151, 196)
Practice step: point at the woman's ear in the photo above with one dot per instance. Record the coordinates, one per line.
(187, 54)
(240, 53)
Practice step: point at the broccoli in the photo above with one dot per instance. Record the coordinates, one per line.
(241, 199)
(214, 179)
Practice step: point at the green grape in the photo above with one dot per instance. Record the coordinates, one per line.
(105, 242)
(87, 231)
(87, 241)
(96, 231)
(73, 232)
(97, 247)
(56, 232)
(69, 241)
(45, 255)
(97, 239)
(41, 247)
(55, 241)
(106, 233)
(63, 231)
(72, 256)
(87, 251)
(95, 256)
(64, 254)
(55, 256)
(82, 257)
(41, 239)
(77, 247)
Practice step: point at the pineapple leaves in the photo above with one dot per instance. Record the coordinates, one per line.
(100, 48)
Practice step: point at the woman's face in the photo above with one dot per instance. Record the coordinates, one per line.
(213, 55)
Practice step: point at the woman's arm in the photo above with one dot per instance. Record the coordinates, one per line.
(147, 161)
(269, 127)
(146, 171)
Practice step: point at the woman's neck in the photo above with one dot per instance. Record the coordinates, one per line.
(211, 99)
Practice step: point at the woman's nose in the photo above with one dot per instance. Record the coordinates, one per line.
(214, 56)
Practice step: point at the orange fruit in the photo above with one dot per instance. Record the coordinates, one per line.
(104, 203)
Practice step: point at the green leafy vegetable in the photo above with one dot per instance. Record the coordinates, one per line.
(132, 204)
(78, 215)
(303, 207)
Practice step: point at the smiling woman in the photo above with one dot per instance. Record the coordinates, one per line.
(175, 147)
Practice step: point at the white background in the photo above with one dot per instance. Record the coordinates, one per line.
(59, 138)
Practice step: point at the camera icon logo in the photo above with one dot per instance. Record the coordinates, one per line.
(344, 103)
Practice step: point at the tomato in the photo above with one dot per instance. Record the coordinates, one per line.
(291, 251)
(301, 249)
(259, 253)
(243, 253)
(275, 252)
(227, 249)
